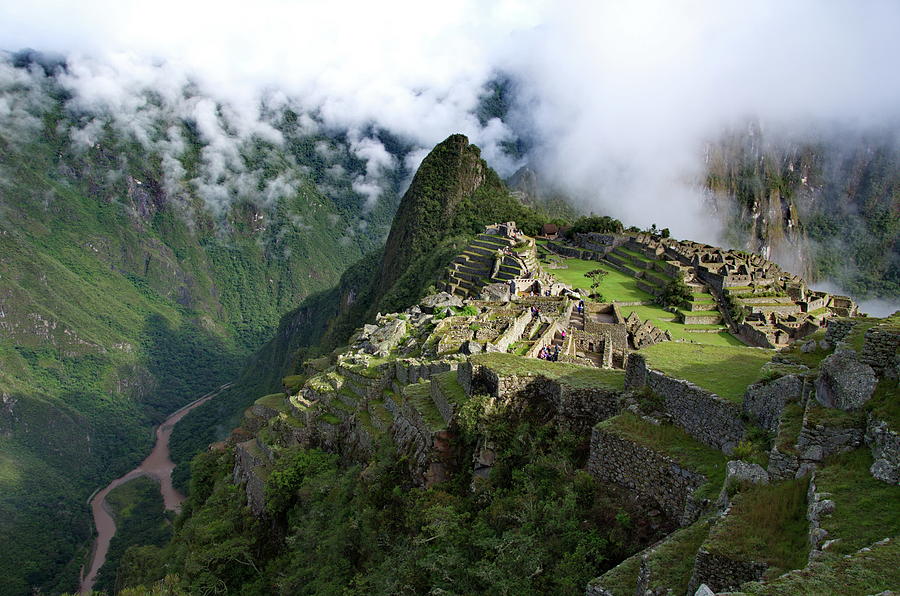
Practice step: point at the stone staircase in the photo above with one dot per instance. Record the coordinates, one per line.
(478, 265)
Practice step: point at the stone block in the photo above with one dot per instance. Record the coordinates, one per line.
(844, 382)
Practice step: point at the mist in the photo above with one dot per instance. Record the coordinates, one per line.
(616, 100)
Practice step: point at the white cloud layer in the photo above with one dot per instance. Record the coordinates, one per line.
(620, 97)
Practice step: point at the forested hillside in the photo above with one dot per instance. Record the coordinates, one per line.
(138, 272)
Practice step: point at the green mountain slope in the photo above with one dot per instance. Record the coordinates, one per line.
(453, 195)
(126, 292)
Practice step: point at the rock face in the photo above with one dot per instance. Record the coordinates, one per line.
(885, 445)
(496, 293)
(440, 301)
(386, 337)
(844, 382)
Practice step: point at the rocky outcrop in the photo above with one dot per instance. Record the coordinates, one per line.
(844, 382)
(440, 301)
(250, 463)
(765, 401)
(885, 445)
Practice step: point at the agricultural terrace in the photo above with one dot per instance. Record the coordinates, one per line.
(618, 287)
(727, 371)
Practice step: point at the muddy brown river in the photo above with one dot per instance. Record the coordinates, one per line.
(158, 465)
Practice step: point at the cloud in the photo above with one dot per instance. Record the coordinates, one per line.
(624, 96)
(619, 100)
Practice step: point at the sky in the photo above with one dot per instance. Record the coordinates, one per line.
(619, 97)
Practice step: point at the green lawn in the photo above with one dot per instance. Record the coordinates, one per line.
(724, 370)
(616, 286)
(679, 331)
(863, 512)
(572, 375)
(766, 523)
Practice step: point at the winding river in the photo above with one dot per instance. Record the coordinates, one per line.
(158, 466)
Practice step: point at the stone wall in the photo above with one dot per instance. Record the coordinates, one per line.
(880, 349)
(818, 441)
(576, 409)
(764, 401)
(580, 409)
(648, 473)
(816, 507)
(703, 415)
(410, 370)
(885, 446)
(512, 333)
(601, 243)
(723, 574)
(838, 329)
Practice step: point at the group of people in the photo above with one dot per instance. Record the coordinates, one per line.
(550, 353)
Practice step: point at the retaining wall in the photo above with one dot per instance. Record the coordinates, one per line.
(704, 415)
(648, 473)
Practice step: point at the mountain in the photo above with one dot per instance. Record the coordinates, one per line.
(824, 206)
(139, 272)
(433, 451)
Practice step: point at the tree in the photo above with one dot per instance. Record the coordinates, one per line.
(676, 292)
(596, 276)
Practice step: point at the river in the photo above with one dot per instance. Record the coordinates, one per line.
(158, 465)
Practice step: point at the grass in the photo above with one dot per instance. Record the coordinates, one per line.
(789, 429)
(672, 562)
(572, 375)
(674, 442)
(766, 523)
(330, 419)
(632, 253)
(665, 320)
(724, 370)
(812, 359)
(450, 387)
(419, 395)
(274, 401)
(833, 417)
(699, 313)
(871, 572)
(885, 403)
(615, 286)
(863, 511)
(857, 336)
(621, 580)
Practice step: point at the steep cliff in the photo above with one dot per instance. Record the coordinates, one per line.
(826, 207)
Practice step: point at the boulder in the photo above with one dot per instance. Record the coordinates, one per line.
(498, 292)
(440, 301)
(844, 382)
(386, 337)
(740, 471)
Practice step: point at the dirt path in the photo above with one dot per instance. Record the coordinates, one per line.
(158, 465)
